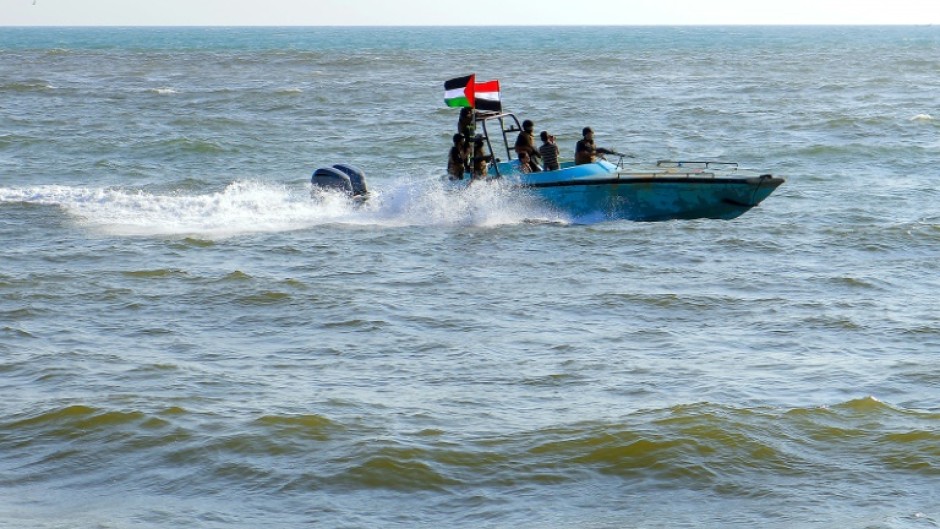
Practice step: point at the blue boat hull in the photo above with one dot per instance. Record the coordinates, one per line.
(657, 198)
(600, 189)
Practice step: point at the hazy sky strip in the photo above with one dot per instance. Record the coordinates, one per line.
(475, 12)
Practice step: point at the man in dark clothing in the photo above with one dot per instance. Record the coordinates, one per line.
(525, 142)
(458, 161)
(466, 124)
(480, 160)
(586, 151)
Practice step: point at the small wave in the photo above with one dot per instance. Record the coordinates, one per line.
(18, 333)
(237, 275)
(163, 91)
(66, 414)
(922, 117)
(265, 298)
(7, 140)
(395, 473)
(26, 86)
(157, 273)
(865, 405)
(76, 420)
(22, 314)
(191, 146)
(303, 424)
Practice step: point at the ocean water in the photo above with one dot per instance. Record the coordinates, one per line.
(188, 338)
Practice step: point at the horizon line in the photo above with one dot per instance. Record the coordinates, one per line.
(638, 25)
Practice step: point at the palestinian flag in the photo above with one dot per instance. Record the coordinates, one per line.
(459, 92)
(486, 96)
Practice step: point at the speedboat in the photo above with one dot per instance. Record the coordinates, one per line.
(664, 191)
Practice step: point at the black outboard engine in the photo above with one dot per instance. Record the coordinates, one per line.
(341, 177)
(356, 177)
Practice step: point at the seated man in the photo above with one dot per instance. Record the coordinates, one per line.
(524, 163)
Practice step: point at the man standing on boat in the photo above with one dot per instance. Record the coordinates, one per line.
(466, 125)
(481, 160)
(549, 152)
(586, 151)
(525, 142)
(458, 161)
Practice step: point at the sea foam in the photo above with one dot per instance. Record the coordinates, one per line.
(246, 207)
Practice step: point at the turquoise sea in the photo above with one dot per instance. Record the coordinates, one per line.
(189, 339)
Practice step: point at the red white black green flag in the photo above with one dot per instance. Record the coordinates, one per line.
(466, 92)
(486, 96)
(459, 92)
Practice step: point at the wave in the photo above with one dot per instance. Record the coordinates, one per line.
(247, 207)
(737, 451)
(189, 145)
(25, 86)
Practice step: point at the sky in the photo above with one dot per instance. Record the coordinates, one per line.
(462, 13)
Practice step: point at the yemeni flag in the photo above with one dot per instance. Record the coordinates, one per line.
(459, 92)
(486, 96)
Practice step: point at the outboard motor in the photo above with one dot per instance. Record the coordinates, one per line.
(341, 177)
(356, 177)
(332, 180)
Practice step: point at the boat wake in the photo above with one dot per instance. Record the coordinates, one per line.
(248, 207)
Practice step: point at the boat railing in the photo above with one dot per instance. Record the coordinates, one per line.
(698, 164)
(665, 173)
(508, 123)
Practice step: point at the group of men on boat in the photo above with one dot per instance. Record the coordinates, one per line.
(468, 155)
